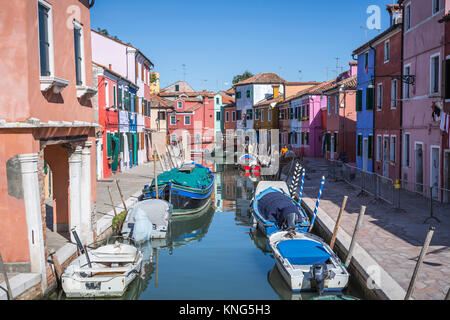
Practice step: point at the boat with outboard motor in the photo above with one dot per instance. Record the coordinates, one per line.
(307, 263)
(188, 188)
(274, 210)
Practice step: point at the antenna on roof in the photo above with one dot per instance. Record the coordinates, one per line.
(184, 71)
(299, 75)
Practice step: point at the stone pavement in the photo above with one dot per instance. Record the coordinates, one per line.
(393, 238)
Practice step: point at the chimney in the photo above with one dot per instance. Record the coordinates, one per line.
(110, 66)
(353, 68)
(276, 90)
(395, 13)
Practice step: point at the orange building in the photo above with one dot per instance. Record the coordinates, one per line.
(46, 121)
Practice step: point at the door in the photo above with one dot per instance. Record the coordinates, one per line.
(386, 157)
(365, 153)
(447, 177)
(419, 167)
(434, 177)
(332, 147)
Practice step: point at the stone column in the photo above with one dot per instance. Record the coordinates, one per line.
(75, 191)
(32, 199)
(86, 224)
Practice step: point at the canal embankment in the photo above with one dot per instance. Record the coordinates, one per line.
(389, 241)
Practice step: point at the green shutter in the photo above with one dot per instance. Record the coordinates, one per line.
(359, 100)
(369, 98)
(108, 145)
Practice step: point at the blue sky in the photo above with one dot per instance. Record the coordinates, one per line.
(217, 40)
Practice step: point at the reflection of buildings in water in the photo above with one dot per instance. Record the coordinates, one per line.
(282, 289)
(218, 190)
(261, 241)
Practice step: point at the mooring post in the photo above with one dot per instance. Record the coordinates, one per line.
(2, 266)
(300, 196)
(121, 196)
(112, 203)
(317, 204)
(338, 222)
(58, 268)
(355, 233)
(412, 283)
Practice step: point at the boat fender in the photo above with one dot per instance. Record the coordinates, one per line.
(320, 274)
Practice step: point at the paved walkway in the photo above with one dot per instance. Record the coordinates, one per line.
(393, 238)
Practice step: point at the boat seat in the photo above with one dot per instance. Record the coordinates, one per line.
(303, 252)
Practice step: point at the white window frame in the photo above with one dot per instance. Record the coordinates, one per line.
(379, 96)
(432, 57)
(179, 104)
(407, 150)
(433, 3)
(269, 115)
(406, 86)
(173, 122)
(394, 94)
(329, 106)
(407, 17)
(261, 115)
(51, 50)
(115, 94)
(387, 53)
(78, 25)
(227, 116)
(379, 147)
(187, 117)
(393, 149)
(106, 94)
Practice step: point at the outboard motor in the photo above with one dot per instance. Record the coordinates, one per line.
(320, 273)
(290, 220)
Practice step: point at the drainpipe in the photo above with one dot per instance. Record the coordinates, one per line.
(401, 100)
(374, 106)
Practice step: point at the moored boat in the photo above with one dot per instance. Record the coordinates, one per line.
(103, 272)
(307, 263)
(188, 189)
(274, 210)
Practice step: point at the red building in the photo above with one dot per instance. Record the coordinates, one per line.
(388, 109)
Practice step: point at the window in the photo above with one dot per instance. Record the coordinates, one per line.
(173, 138)
(307, 112)
(233, 116)
(249, 93)
(79, 53)
(227, 116)
(262, 115)
(406, 150)
(359, 100)
(239, 114)
(387, 51)
(447, 79)
(369, 98)
(329, 106)
(379, 96)
(392, 156)
(119, 96)
(436, 8)
(173, 120)
(257, 114)
(370, 147)
(336, 104)
(249, 114)
(307, 138)
(179, 104)
(378, 147)
(161, 115)
(177, 87)
(45, 39)
(434, 74)
(217, 101)
(238, 95)
(406, 86)
(269, 115)
(218, 117)
(106, 94)
(408, 17)
(187, 120)
(366, 61)
(394, 85)
(359, 146)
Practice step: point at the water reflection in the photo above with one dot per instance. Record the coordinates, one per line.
(282, 289)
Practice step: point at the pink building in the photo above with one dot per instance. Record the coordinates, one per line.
(423, 56)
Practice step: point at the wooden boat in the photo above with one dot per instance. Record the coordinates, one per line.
(105, 271)
(188, 189)
(273, 209)
(148, 219)
(307, 263)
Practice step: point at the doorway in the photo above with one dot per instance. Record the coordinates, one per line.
(419, 167)
(386, 156)
(434, 173)
(365, 153)
(447, 176)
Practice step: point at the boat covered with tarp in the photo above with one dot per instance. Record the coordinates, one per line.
(274, 210)
(188, 188)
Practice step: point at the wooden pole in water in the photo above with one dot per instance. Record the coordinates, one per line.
(156, 177)
(355, 233)
(112, 203)
(412, 283)
(156, 270)
(2, 266)
(58, 268)
(121, 196)
(338, 222)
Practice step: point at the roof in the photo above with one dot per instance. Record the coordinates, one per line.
(263, 78)
(227, 99)
(125, 44)
(269, 100)
(316, 90)
(378, 37)
(114, 73)
(350, 83)
(195, 107)
(158, 102)
(302, 83)
(203, 93)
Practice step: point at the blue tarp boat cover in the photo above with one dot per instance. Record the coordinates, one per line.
(274, 206)
(303, 252)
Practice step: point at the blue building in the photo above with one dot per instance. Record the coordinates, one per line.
(365, 100)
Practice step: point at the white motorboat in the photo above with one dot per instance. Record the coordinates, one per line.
(148, 219)
(307, 263)
(101, 272)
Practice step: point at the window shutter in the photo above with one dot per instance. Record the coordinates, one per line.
(108, 145)
(369, 98)
(359, 100)
(359, 146)
(370, 147)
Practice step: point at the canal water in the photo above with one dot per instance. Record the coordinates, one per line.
(215, 254)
